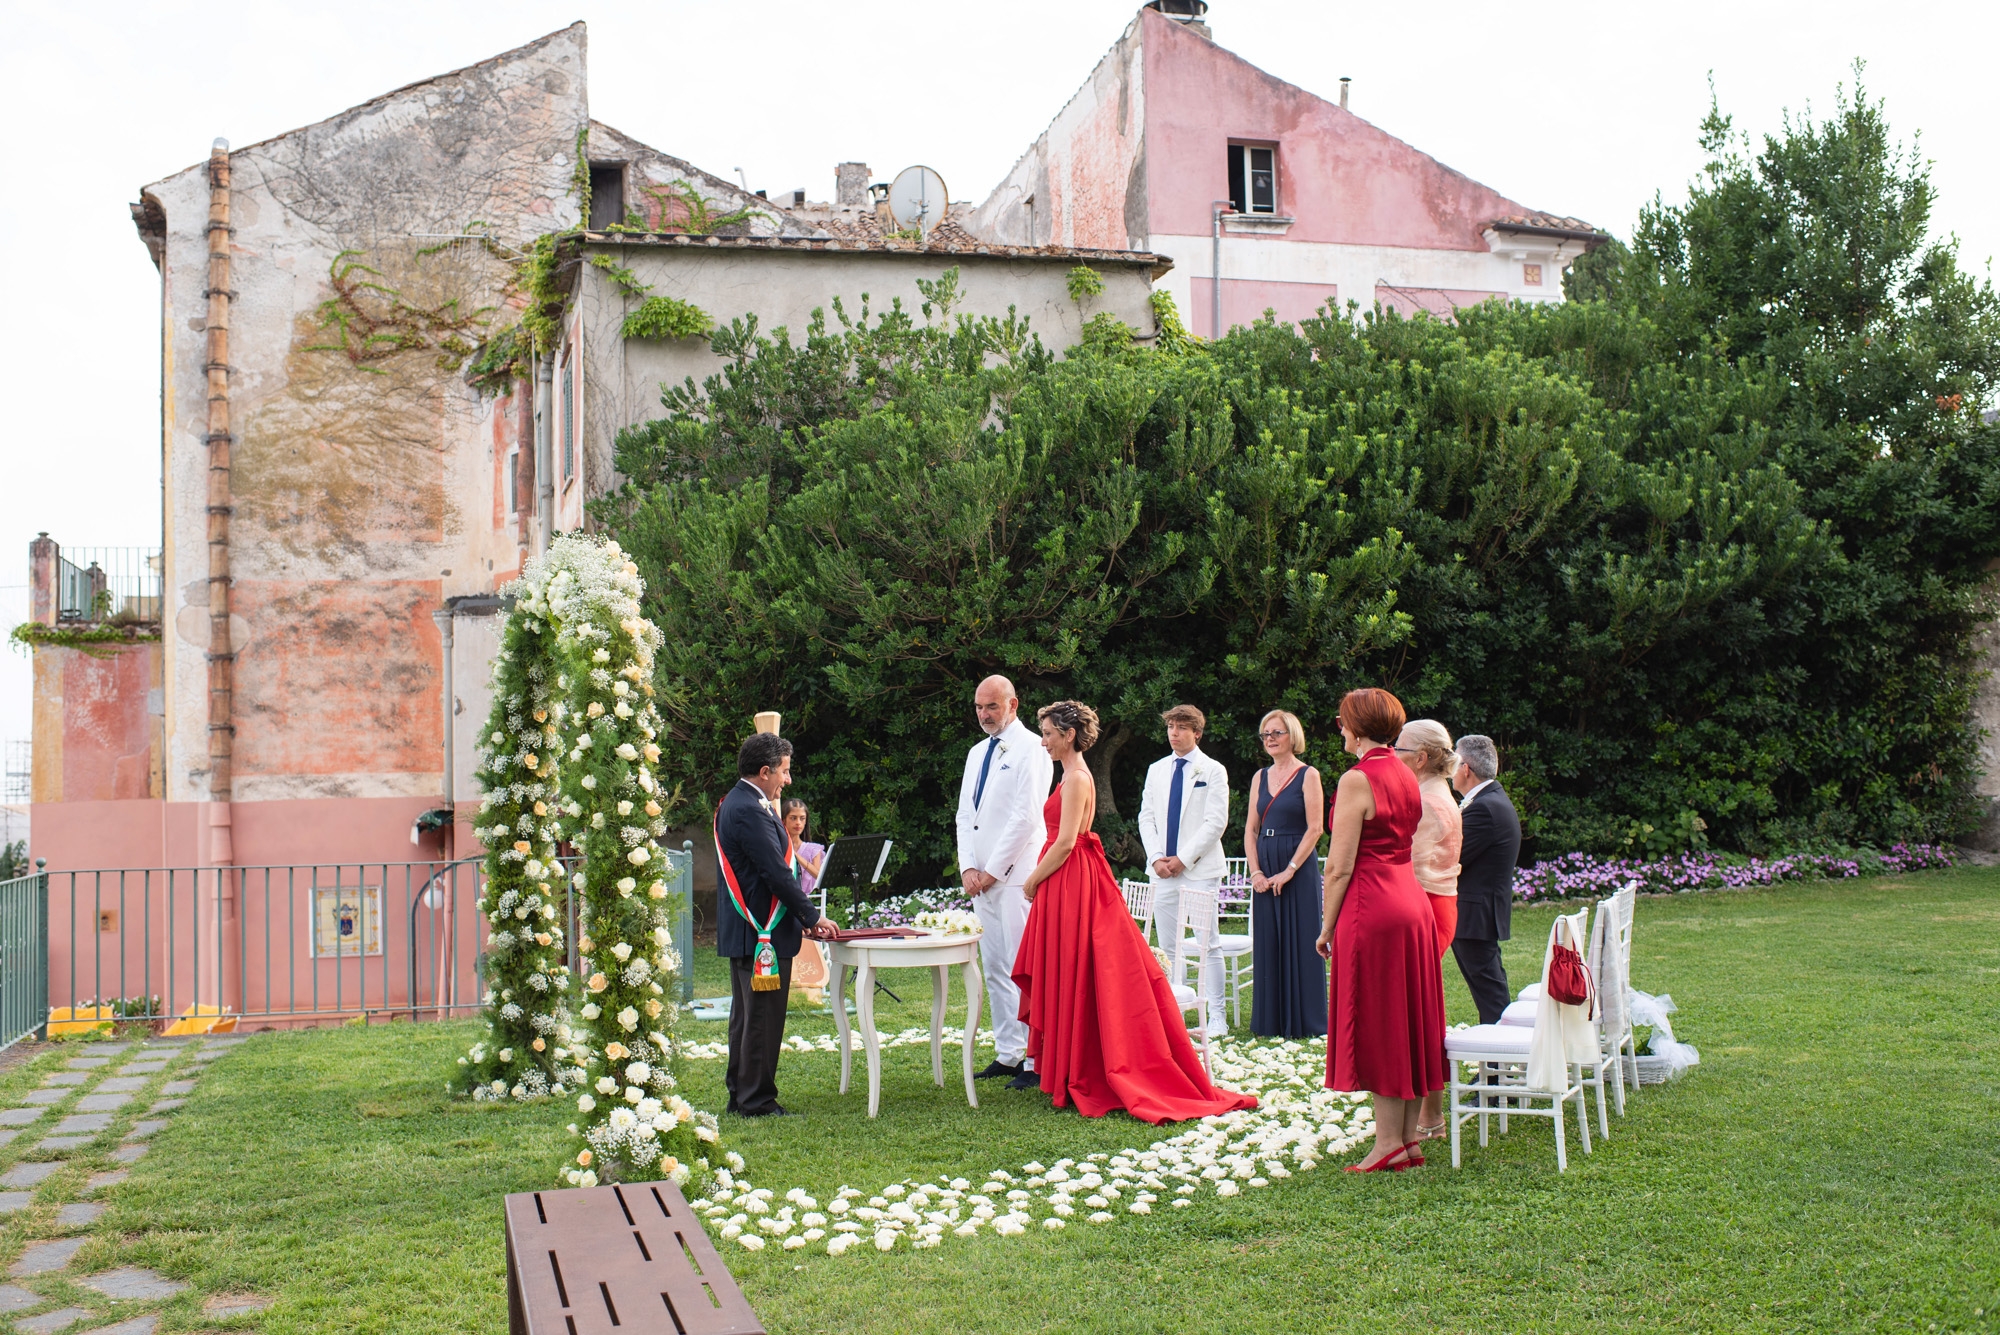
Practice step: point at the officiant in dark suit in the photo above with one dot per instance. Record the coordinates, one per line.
(1486, 874)
(761, 917)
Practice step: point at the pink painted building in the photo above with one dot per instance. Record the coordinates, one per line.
(1175, 145)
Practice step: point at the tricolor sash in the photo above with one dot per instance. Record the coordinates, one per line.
(764, 965)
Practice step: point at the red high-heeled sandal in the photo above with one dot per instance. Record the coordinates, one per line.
(1392, 1162)
(1411, 1159)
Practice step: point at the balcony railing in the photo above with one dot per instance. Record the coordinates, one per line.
(95, 584)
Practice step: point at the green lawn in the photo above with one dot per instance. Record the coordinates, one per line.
(1831, 1165)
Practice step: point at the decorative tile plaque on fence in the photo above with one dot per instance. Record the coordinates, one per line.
(347, 920)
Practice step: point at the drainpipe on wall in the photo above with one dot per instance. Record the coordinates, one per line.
(221, 652)
(1216, 207)
(444, 617)
(545, 477)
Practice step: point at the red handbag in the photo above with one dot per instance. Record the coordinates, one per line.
(1569, 977)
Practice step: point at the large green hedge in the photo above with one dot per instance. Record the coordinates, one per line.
(1701, 551)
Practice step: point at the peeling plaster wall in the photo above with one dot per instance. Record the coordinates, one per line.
(1084, 182)
(1139, 155)
(96, 736)
(782, 289)
(366, 491)
(1372, 217)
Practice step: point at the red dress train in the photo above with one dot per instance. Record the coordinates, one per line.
(1385, 1007)
(1103, 1027)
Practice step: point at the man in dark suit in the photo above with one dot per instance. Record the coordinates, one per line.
(1485, 874)
(751, 841)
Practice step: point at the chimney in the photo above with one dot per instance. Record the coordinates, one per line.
(1187, 13)
(1344, 81)
(850, 185)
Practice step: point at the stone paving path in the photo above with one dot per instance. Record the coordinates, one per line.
(40, 1294)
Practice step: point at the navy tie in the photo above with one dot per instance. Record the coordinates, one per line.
(1174, 808)
(984, 765)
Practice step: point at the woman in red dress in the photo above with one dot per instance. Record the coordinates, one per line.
(1103, 1026)
(1385, 1013)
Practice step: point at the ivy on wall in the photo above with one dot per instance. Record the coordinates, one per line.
(367, 320)
(99, 641)
(668, 317)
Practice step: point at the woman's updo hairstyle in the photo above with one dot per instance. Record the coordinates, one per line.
(1071, 716)
(1432, 742)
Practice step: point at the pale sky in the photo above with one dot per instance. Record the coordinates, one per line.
(1585, 112)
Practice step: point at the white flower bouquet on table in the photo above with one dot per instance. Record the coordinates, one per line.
(948, 922)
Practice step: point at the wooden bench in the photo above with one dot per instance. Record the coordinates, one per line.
(630, 1258)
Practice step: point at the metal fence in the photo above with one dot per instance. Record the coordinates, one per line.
(24, 958)
(17, 770)
(99, 583)
(304, 943)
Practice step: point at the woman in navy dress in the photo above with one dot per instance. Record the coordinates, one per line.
(1281, 842)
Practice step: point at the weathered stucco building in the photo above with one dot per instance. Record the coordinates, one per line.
(357, 457)
(781, 280)
(1177, 146)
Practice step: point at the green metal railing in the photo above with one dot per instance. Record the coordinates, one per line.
(24, 958)
(317, 941)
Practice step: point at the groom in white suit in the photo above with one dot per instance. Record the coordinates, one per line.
(1000, 838)
(1181, 820)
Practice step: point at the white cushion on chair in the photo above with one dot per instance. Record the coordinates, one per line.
(1510, 1040)
(1531, 992)
(1233, 944)
(1184, 996)
(1521, 1012)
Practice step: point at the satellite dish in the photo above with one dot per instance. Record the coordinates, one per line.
(917, 199)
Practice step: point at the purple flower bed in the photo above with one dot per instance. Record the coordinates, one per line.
(899, 911)
(1572, 876)
(1582, 875)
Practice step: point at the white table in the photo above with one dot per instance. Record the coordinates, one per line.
(930, 951)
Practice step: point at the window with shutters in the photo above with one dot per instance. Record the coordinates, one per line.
(568, 419)
(1253, 178)
(514, 483)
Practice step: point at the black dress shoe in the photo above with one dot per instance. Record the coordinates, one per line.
(1025, 1080)
(997, 1068)
(775, 1110)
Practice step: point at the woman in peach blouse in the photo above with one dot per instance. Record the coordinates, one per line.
(1425, 747)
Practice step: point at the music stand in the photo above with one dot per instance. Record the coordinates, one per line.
(856, 862)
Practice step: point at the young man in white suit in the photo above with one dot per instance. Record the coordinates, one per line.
(1181, 820)
(1000, 836)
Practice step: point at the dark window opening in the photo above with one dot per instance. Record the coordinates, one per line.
(1253, 179)
(607, 194)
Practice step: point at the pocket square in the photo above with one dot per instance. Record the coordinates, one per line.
(1201, 783)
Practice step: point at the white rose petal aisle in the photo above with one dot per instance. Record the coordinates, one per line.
(576, 611)
(1296, 1124)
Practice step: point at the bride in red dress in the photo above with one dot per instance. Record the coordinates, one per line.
(1103, 1026)
(1385, 1024)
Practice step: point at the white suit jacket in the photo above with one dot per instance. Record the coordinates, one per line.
(1204, 813)
(1004, 836)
